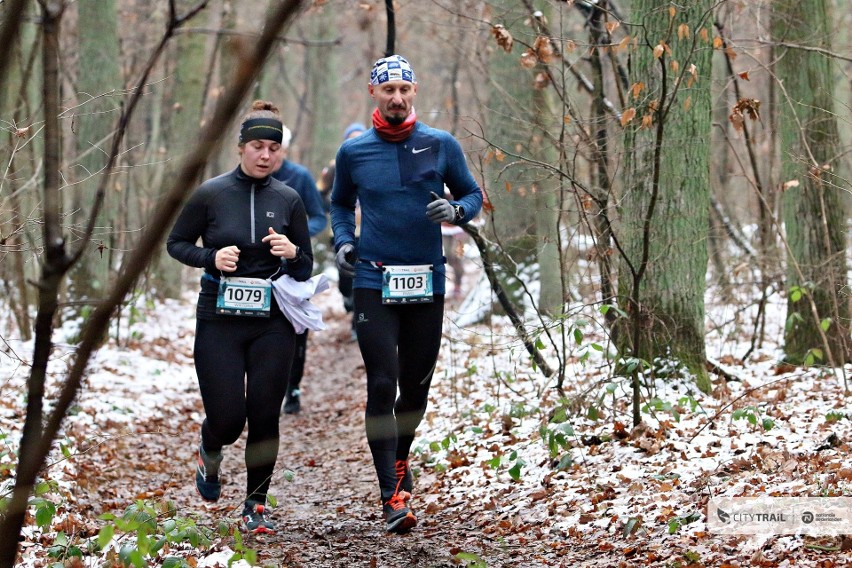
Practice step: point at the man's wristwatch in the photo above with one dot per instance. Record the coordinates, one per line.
(459, 209)
(298, 254)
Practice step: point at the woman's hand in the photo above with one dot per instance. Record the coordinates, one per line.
(281, 245)
(226, 258)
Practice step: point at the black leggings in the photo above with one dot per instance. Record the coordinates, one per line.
(399, 345)
(298, 367)
(242, 365)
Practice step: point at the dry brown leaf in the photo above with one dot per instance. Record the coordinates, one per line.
(538, 495)
(543, 48)
(636, 89)
(503, 37)
(528, 59)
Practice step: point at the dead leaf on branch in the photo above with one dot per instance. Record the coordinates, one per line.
(662, 48)
(503, 37)
(744, 108)
(636, 89)
(787, 185)
(528, 59)
(543, 48)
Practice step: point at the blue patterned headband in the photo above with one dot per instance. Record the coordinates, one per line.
(393, 68)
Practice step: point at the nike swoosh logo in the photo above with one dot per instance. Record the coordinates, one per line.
(417, 151)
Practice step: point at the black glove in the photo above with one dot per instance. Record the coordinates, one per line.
(440, 210)
(346, 258)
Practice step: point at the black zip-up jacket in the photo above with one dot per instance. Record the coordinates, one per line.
(236, 209)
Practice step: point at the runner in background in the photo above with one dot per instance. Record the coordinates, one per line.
(299, 178)
(344, 280)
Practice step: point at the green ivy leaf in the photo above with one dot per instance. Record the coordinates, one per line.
(105, 536)
(44, 513)
(515, 471)
(565, 462)
(471, 560)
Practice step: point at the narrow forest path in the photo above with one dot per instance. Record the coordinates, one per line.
(328, 514)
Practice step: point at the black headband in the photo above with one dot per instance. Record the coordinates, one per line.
(261, 129)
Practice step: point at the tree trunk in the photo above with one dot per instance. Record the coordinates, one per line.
(666, 203)
(326, 127)
(814, 206)
(185, 119)
(547, 220)
(99, 89)
(510, 132)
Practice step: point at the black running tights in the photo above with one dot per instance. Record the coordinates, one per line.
(399, 345)
(242, 365)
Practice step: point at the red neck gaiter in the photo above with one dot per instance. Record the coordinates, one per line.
(393, 133)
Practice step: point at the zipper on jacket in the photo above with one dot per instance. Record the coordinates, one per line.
(251, 204)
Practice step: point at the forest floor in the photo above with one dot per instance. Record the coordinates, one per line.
(496, 486)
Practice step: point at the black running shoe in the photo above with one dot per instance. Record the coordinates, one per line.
(207, 475)
(398, 517)
(254, 518)
(293, 402)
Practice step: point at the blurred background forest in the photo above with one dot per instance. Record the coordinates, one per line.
(534, 119)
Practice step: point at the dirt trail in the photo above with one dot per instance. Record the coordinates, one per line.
(328, 515)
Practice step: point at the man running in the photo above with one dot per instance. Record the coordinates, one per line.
(396, 171)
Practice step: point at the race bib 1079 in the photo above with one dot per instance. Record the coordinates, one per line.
(244, 297)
